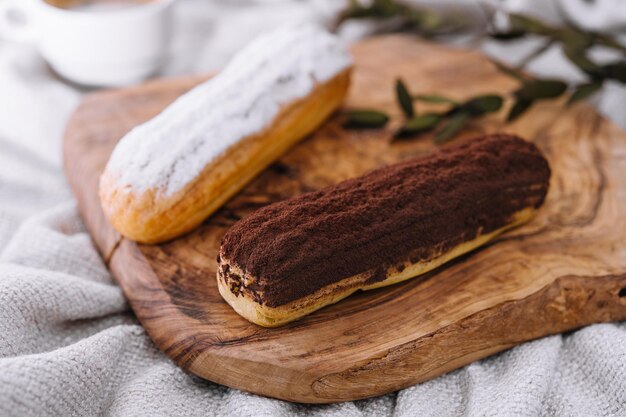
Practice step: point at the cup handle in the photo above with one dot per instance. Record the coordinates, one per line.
(16, 21)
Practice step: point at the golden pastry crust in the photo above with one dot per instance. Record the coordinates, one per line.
(263, 315)
(151, 217)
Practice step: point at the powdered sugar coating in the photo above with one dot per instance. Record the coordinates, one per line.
(170, 150)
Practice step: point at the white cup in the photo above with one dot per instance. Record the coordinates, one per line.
(109, 48)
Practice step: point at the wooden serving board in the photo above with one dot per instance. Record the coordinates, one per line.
(564, 270)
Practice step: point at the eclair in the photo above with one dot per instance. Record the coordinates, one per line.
(293, 257)
(169, 174)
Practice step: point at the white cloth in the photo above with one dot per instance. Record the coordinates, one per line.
(70, 346)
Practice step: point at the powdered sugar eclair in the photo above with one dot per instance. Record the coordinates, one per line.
(169, 174)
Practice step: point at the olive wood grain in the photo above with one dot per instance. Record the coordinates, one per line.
(564, 270)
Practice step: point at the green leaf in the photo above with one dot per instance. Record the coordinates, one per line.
(507, 70)
(579, 58)
(418, 124)
(452, 127)
(616, 71)
(508, 36)
(381, 9)
(423, 122)
(404, 98)
(541, 89)
(365, 119)
(483, 104)
(427, 20)
(528, 24)
(584, 91)
(608, 41)
(520, 106)
(436, 99)
(574, 39)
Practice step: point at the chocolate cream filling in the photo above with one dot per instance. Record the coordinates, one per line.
(400, 214)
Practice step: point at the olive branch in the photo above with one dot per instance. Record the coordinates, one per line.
(574, 42)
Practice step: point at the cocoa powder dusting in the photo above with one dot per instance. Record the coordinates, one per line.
(414, 211)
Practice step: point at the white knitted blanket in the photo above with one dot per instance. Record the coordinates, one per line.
(70, 346)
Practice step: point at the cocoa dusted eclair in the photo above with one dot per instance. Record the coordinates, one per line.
(296, 256)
